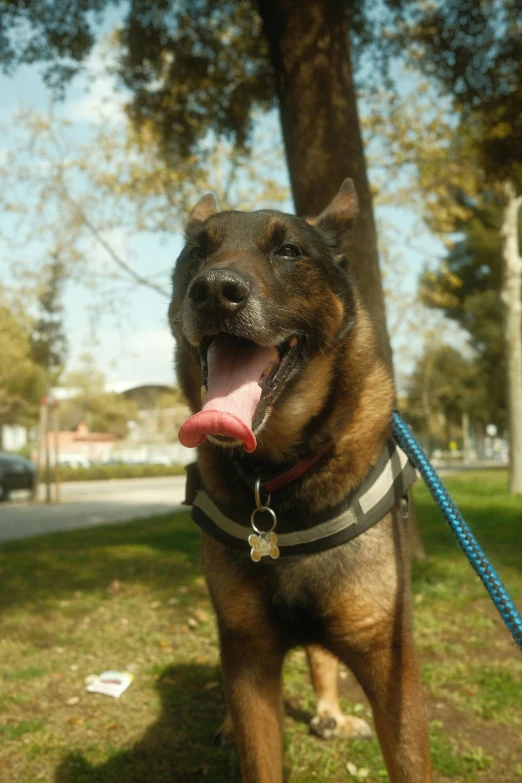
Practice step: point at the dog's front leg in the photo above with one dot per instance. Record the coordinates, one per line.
(252, 679)
(390, 676)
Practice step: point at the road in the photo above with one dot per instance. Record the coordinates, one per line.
(92, 503)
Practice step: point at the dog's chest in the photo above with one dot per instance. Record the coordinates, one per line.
(299, 617)
(298, 596)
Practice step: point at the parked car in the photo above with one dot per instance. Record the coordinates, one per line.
(15, 473)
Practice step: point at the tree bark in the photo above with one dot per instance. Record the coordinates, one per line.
(511, 294)
(310, 52)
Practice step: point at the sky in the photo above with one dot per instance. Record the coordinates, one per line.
(128, 334)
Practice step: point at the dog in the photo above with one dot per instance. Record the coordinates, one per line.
(291, 414)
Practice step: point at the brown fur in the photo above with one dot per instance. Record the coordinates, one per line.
(352, 602)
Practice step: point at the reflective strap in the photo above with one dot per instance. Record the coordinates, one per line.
(307, 536)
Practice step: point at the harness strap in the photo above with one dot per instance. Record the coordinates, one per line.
(300, 531)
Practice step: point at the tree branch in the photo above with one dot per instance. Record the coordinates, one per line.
(143, 281)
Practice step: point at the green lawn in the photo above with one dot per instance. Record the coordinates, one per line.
(132, 596)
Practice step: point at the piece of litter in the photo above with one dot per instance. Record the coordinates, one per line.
(360, 774)
(111, 683)
(91, 678)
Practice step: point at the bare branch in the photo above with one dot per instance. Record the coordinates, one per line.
(109, 249)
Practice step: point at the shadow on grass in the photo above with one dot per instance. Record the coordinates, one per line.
(159, 551)
(178, 748)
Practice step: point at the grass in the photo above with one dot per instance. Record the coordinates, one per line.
(133, 597)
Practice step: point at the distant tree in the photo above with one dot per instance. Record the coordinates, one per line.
(443, 386)
(467, 288)
(48, 339)
(101, 411)
(22, 381)
(197, 70)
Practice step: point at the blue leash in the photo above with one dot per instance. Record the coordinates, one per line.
(460, 529)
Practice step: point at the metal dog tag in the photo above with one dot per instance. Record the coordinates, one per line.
(263, 542)
(263, 545)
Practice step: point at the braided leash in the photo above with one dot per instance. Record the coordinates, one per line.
(460, 529)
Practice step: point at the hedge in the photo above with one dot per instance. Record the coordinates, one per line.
(96, 472)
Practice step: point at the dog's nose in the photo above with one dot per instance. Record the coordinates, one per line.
(219, 291)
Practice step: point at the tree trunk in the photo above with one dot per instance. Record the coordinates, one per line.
(511, 294)
(310, 51)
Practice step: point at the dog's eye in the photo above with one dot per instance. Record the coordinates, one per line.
(289, 251)
(196, 253)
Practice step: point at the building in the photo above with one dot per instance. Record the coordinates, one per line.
(82, 446)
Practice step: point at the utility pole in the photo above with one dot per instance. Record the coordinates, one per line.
(48, 403)
(56, 431)
(42, 430)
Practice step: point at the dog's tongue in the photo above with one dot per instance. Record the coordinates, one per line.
(234, 371)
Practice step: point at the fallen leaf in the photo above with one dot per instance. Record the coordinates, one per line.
(352, 769)
(75, 721)
(192, 623)
(114, 587)
(112, 726)
(72, 701)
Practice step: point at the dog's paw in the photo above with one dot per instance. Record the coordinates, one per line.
(225, 734)
(347, 726)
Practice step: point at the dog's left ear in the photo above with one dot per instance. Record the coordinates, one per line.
(205, 208)
(341, 211)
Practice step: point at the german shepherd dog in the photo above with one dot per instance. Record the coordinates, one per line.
(272, 333)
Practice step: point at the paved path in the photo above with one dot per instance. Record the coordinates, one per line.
(92, 503)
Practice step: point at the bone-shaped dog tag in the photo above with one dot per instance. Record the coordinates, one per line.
(263, 545)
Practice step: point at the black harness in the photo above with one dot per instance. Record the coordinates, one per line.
(297, 533)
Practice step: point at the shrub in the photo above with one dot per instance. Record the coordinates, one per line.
(96, 472)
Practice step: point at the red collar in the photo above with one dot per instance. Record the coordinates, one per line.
(280, 480)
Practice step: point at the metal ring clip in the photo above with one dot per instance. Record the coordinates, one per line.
(253, 516)
(257, 495)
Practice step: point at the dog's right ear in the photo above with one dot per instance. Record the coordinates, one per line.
(341, 211)
(205, 208)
